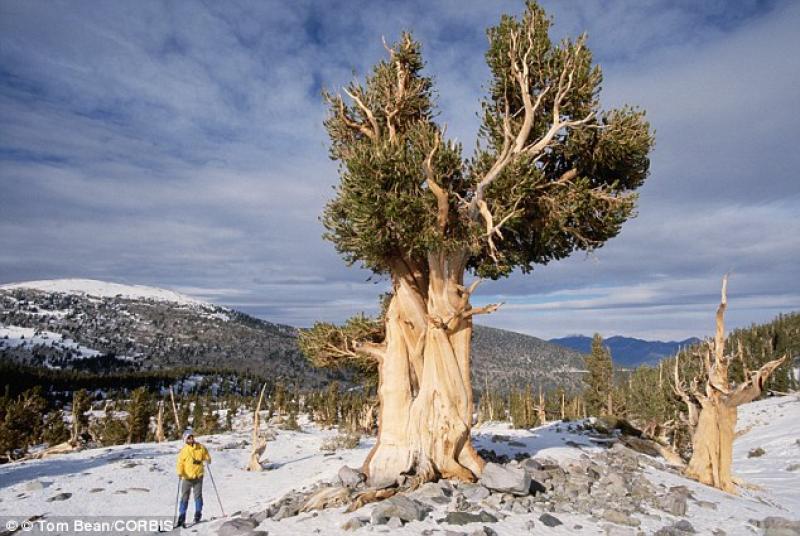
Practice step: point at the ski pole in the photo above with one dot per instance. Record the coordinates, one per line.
(216, 491)
(177, 495)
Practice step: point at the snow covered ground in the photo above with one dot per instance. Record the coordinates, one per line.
(140, 480)
(16, 336)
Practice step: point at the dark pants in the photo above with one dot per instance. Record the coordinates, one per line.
(196, 488)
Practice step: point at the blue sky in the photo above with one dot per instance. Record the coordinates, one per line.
(180, 144)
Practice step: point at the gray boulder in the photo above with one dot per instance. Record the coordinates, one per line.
(674, 503)
(398, 506)
(240, 526)
(286, 510)
(514, 480)
(778, 526)
(350, 477)
(549, 520)
(464, 518)
(475, 492)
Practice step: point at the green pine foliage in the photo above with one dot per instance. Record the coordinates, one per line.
(111, 430)
(599, 380)
(140, 410)
(21, 423)
(81, 404)
(557, 176)
(55, 430)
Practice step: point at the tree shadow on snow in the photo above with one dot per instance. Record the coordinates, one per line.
(68, 464)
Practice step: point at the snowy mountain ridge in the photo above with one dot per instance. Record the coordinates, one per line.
(151, 328)
(105, 289)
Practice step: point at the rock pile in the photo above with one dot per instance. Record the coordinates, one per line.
(609, 487)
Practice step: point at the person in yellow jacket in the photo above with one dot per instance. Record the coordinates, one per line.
(190, 468)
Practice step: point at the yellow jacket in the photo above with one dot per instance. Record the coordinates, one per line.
(190, 461)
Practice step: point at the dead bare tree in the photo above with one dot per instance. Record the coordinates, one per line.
(175, 412)
(541, 408)
(160, 437)
(712, 411)
(259, 442)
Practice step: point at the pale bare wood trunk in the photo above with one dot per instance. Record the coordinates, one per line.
(425, 391)
(175, 412)
(712, 446)
(712, 411)
(259, 442)
(76, 426)
(160, 437)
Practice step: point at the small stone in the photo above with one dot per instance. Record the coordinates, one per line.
(681, 528)
(708, 505)
(674, 503)
(96, 490)
(483, 531)
(475, 493)
(398, 506)
(778, 526)
(549, 520)
(286, 510)
(394, 523)
(464, 518)
(354, 523)
(616, 530)
(434, 491)
(237, 527)
(620, 518)
(60, 497)
(793, 467)
(756, 452)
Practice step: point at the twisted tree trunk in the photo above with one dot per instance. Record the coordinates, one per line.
(712, 411)
(425, 391)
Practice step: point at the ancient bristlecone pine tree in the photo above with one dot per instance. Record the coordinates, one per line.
(551, 174)
(712, 409)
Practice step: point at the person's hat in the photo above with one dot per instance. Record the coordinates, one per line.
(186, 433)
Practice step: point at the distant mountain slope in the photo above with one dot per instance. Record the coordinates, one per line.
(508, 359)
(99, 326)
(628, 351)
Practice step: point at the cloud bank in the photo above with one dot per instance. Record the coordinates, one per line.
(180, 144)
